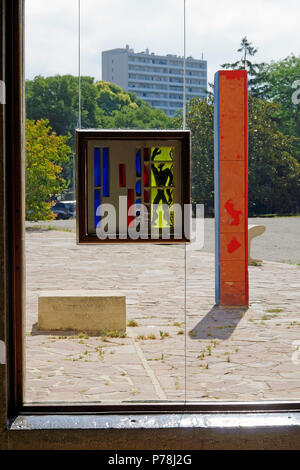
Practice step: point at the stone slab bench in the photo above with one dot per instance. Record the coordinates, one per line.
(253, 232)
(82, 310)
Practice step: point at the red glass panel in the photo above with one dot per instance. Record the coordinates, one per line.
(146, 196)
(130, 202)
(146, 175)
(122, 175)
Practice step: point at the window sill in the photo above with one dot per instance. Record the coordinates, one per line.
(262, 430)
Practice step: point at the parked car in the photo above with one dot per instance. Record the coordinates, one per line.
(64, 209)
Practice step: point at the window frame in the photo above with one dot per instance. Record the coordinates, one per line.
(208, 425)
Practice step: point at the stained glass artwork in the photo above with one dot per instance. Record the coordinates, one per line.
(138, 164)
(162, 174)
(97, 202)
(145, 169)
(146, 175)
(122, 175)
(162, 215)
(138, 204)
(139, 188)
(146, 196)
(97, 167)
(162, 154)
(130, 202)
(105, 167)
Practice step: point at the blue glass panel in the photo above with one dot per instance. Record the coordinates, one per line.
(138, 188)
(105, 170)
(97, 167)
(138, 164)
(97, 199)
(138, 203)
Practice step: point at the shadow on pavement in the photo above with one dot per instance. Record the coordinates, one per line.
(219, 323)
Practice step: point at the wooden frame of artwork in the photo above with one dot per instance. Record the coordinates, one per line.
(111, 164)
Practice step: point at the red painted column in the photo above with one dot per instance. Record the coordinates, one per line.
(231, 175)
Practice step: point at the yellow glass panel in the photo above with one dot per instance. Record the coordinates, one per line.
(163, 154)
(162, 174)
(162, 213)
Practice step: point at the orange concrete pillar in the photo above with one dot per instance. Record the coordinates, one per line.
(231, 188)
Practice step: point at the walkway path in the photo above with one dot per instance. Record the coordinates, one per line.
(230, 354)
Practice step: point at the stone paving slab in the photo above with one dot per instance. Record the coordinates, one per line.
(230, 354)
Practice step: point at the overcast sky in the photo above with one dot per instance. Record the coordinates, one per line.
(214, 27)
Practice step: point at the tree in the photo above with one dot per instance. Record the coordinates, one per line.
(273, 82)
(248, 50)
(256, 72)
(274, 174)
(56, 99)
(118, 109)
(103, 105)
(45, 153)
(200, 120)
(279, 78)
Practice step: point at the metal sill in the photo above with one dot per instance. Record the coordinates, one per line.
(202, 421)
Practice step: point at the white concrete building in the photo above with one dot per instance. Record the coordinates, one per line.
(158, 80)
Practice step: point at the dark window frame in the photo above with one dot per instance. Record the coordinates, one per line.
(207, 425)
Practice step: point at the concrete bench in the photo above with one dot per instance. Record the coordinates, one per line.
(253, 232)
(82, 311)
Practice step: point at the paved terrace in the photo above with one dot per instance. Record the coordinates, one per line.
(230, 354)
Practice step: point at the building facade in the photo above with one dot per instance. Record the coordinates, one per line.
(158, 80)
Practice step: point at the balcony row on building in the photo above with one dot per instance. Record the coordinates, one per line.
(163, 75)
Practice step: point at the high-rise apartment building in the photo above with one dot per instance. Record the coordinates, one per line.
(156, 79)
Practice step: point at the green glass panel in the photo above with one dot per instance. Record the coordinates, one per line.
(162, 214)
(162, 174)
(163, 154)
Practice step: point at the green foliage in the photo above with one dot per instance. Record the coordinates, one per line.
(45, 153)
(256, 72)
(111, 97)
(200, 120)
(279, 77)
(56, 99)
(273, 82)
(118, 109)
(274, 131)
(274, 174)
(104, 105)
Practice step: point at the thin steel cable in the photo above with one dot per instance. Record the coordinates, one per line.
(184, 65)
(79, 64)
(185, 247)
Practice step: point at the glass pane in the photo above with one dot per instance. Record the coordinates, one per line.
(97, 202)
(228, 354)
(162, 154)
(162, 214)
(97, 167)
(105, 166)
(162, 175)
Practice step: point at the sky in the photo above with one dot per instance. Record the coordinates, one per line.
(213, 27)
